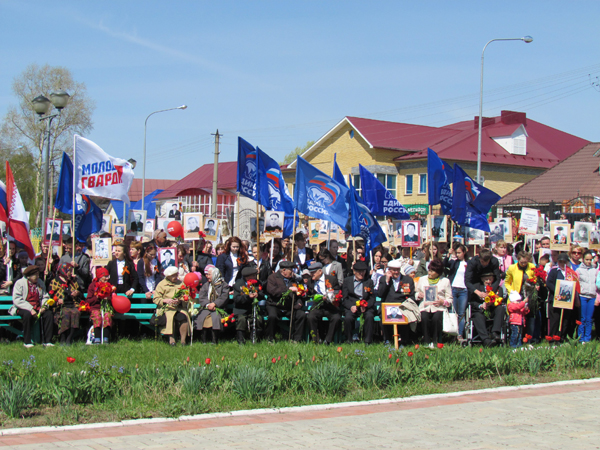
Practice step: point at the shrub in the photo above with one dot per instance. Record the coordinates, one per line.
(378, 375)
(250, 383)
(197, 378)
(14, 397)
(329, 378)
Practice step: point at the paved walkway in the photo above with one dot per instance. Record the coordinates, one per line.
(557, 417)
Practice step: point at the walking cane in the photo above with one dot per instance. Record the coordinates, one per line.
(292, 315)
(254, 323)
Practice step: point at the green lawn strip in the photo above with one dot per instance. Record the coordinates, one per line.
(142, 379)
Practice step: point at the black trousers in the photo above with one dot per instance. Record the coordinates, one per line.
(274, 313)
(555, 322)
(432, 324)
(243, 322)
(315, 316)
(478, 318)
(349, 320)
(46, 323)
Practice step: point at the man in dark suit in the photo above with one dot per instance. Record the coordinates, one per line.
(278, 284)
(137, 225)
(327, 286)
(410, 235)
(53, 232)
(174, 213)
(274, 223)
(396, 288)
(243, 303)
(476, 267)
(355, 288)
(303, 256)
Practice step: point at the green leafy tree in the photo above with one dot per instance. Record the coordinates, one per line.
(291, 156)
(22, 129)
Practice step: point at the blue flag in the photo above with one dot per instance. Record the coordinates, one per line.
(364, 223)
(88, 216)
(318, 195)
(273, 193)
(438, 183)
(471, 201)
(247, 170)
(378, 199)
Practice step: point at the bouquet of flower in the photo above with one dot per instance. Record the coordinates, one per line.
(202, 234)
(253, 287)
(300, 293)
(361, 320)
(228, 319)
(362, 303)
(492, 298)
(185, 293)
(83, 306)
(104, 292)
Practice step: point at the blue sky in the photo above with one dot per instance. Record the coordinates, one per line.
(282, 73)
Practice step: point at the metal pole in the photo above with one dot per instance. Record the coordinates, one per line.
(213, 208)
(526, 39)
(46, 169)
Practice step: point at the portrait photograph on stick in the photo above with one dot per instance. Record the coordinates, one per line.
(106, 224)
(436, 228)
(274, 224)
(411, 233)
(101, 251)
(118, 231)
(211, 228)
(167, 257)
(582, 232)
(191, 226)
(136, 222)
(563, 294)
(560, 236)
(392, 314)
(53, 233)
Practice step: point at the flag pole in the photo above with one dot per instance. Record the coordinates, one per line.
(74, 188)
(50, 243)
(293, 296)
(238, 216)
(328, 233)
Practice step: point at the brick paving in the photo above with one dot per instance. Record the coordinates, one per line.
(554, 417)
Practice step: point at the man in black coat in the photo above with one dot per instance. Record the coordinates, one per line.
(476, 267)
(278, 284)
(303, 256)
(243, 303)
(478, 308)
(396, 288)
(202, 259)
(327, 286)
(359, 287)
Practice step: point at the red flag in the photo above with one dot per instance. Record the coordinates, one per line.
(18, 224)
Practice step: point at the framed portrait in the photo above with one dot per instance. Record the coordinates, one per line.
(53, 233)
(136, 222)
(560, 236)
(66, 230)
(118, 231)
(563, 294)
(474, 236)
(396, 230)
(388, 230)
(411, 233)
(315, 236)
(595, 239)
(430, 293)
(529, 221)
(274, 224)
(253, 228)
(437, 228)
(149, 227)
(582, 233)
(506, 223)
(191, 226)
(496, 232)
(101, 251)
(174, 212)
(167, 257)
(106, 224)
(211, 228)
(391, 314)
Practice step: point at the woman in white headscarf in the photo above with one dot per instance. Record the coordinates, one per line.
(213, 294)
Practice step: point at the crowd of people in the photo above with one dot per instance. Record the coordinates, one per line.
(503, 294)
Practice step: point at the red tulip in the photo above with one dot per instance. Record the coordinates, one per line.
(390, 356)
(279, 358)
(339, 349)
(273, 360)
(313, 358)
(397, 360)
(255, 355)
(556, 338)
(188, 359)
(410, 354)
(440, 345)
(70, 360)
(426, 356)
(417, 347)
(480, 350)
(207, 361)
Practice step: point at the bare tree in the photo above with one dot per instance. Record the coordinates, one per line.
(21, 125)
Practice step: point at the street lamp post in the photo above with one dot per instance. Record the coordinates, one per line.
(145, 129)
(527, 40)
(41, 105)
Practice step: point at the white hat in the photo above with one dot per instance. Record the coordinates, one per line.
(514, 296)
(395, 264)
(171, 271)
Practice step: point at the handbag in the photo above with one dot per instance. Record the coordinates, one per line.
(158, 321)
(450, 323)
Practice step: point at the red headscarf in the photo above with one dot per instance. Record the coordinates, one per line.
(101, 272)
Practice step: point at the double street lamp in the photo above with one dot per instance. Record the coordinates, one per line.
(145, 129)
(41, 105)
(527, 40)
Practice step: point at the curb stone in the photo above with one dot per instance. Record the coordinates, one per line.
(253, 412)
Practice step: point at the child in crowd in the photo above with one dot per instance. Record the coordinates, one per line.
(517, 310)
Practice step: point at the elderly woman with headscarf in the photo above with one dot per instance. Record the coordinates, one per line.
(174, 309)
(98, 291)
(213, 294)
(66, 293)
(30, 302)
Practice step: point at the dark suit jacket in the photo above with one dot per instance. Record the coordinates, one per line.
(130, 280)
(137, 226)
(350, 297)
(474, 271)
(243, 303)
(276, 287)
(388, 295)
(309, 256)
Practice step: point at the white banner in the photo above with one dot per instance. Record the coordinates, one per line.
(99, 174)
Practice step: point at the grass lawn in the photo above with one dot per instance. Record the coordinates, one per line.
(142, 379)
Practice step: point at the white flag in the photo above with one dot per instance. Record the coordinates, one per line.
(100, 174)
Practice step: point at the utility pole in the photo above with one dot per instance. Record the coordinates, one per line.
(213, 206)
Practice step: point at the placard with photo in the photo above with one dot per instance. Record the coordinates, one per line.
(411, 233)
(136, 222)
(563, 294)
(106, 224)
(149, 228)
(595, 239)
(316, 235)
(496, 232)
(66, 230)
(437, 228)
(474, 236)
(528, 224)
(191, 225)
(430, 294)
(274, 224)
(388, 230)
(211, 228)
(391, 314)
(167, 257)
(261, 226)
(53, 233)
(560, 236)
(101, 251)
(118, 231)
(506, 223)
(582, 232)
